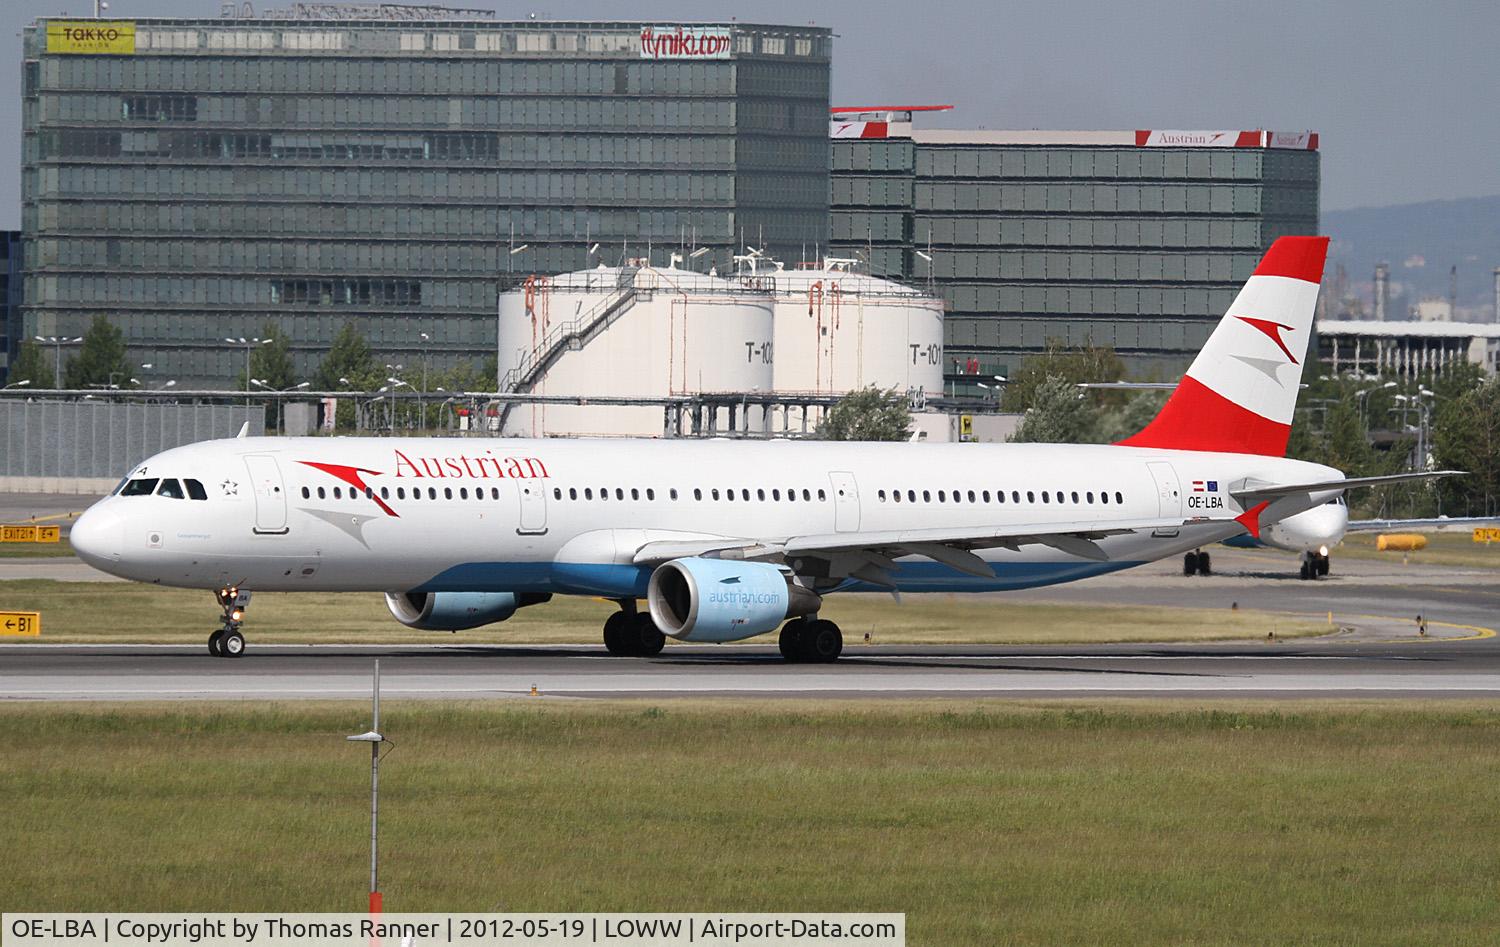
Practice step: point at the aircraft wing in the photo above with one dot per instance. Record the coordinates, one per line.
(868, 554)
(1251, 494)
(1379, 526)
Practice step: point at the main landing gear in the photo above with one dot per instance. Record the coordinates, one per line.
(632, 633)
(1314, 565)
(1197, 562)
(227, 642)
(811, 640)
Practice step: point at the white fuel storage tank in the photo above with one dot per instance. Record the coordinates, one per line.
(837, 330)
(632, 331)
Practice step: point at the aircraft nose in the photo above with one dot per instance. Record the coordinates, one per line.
(98, 536)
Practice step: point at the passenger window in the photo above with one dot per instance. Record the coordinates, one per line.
(1030, 497)
(776, 494)
(1044, 497)
(896, 495)
(1075, 496)
(986, 495)
(942, 496)
(1090, 496)
(463, 493)
(1118, 497)
(171, 489)
(672, 493)
(447, 493)
(572, 493)
(911, 496)
(306, 494)
(1104, 498)
(557, 493)
(140, 488)
(650, 493)
(745, 494)
(791, 496)
(971, 496)
(822, 496)
(697, 493)
(760, 494)
(635, 494)
(494, 493)
(714, 493)
(400, 493)
(881, 495)
(1015, 496)
(588, 493)
(926, 496)
(196, 492)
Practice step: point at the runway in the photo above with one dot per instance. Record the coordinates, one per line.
(1383, 658)
(1333, 667)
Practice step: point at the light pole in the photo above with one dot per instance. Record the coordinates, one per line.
(396, 383)
(57, 342)
(19, 384)
(249, 345)
(422, 395)
(375, 738)
(261, 383)
(1359, 396)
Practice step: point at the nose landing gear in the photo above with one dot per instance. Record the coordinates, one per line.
(227, 641)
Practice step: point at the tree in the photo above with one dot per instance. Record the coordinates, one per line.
(1091, 363)
(1116, 424)
(101, 358)
(271, 362)
(31, 364)
(349, 357)
(1058, 415)
(869, 414)
(1466, 436)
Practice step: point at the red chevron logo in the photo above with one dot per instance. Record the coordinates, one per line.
(354, 477)
(1273, 332)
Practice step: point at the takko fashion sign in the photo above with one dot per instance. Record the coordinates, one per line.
(686, 42)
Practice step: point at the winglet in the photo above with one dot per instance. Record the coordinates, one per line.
(244, 430)
(1250, 519)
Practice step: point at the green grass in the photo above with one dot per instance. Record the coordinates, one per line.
(985, 822)
(1448, 549)
(128, 612)
(58, 550)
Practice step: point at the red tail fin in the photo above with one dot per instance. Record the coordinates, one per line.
(1239, 394)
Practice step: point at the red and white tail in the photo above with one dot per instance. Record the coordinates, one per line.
(1239, 393)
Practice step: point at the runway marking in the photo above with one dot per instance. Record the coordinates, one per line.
(1479, 632)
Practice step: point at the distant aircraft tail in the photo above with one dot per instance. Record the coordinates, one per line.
(1239, 394)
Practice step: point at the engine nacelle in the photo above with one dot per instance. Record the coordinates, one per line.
(723, 600)
(455, 611)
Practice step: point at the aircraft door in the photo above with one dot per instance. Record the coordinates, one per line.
(533, 513)
(845, 501)
(1168, 492)
(270, 498)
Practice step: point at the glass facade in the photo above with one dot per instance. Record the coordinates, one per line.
(10, 299)
(1138, 248)
(232, 172)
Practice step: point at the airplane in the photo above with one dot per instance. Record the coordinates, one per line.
(728, 540)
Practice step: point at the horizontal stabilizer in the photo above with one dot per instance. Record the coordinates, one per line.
(1275, 491)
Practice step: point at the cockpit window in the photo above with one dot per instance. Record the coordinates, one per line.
(171, 489)
(144, 486)
(195, 490)
(116, 490)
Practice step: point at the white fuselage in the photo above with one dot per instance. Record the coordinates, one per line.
(567, 516)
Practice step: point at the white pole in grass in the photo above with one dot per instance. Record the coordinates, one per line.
(375, 738)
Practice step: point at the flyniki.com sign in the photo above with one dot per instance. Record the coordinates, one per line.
(686, 42)
(91, 36)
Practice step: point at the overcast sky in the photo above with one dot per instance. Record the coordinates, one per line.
(1404, 94)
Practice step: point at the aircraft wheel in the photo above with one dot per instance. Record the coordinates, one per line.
(213, 643)
(822, 643)
(646, 638)
(1323, 565)
(616, 633)
(791, 640)
(1190, 564)
(1305, 572)
(1205, 564)
(232, 644)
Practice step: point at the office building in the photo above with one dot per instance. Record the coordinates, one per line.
(1136, 240)
(194, 179)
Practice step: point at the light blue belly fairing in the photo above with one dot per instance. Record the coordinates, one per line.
(622, 581)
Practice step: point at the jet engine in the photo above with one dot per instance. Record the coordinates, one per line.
(698, 599)
(456, 611)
